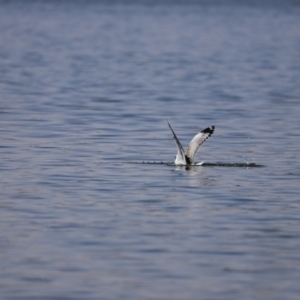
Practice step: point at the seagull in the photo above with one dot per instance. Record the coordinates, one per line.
(187, 158)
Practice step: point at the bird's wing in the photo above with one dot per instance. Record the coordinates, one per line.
(179, 147)
(197, 141)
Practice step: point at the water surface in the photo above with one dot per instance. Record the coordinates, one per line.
(86, 89)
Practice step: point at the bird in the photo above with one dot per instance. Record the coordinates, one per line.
(187, 158)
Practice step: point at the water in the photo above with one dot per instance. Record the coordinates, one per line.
(86, 89)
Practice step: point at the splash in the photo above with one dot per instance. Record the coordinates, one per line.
(217, 164)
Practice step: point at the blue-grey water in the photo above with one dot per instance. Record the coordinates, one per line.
(86, 88)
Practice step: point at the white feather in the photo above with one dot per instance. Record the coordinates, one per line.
(187, 158)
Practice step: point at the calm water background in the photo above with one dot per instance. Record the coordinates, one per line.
(86, 88)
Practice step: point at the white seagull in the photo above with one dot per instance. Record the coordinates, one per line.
(187, 159)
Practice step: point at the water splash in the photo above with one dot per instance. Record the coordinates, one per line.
(217, 164)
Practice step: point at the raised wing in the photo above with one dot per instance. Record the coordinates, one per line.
(197, 141)
(180, 155)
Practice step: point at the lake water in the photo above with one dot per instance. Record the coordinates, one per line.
(86, 88)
